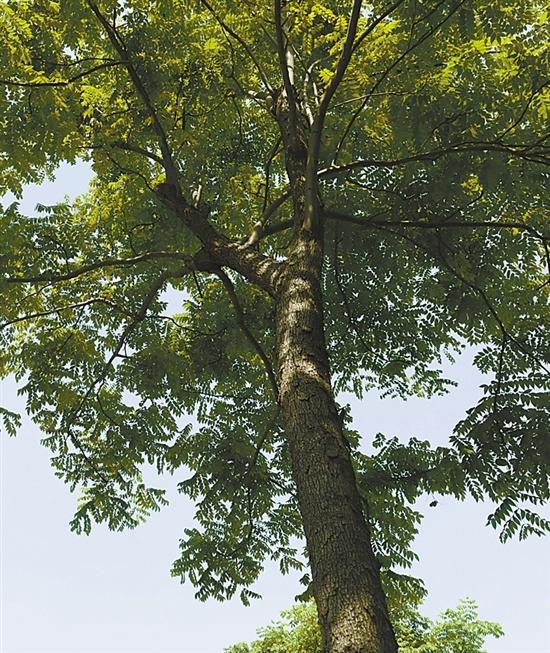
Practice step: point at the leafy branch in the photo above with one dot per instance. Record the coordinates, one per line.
(316, 130)
(241, 319)
(106, 263)
(229, 30)
(120, 47)
(427, 34)
(535, 152)
(60, 309)
(64, 82)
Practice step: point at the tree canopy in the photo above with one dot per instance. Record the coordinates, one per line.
(333, 196)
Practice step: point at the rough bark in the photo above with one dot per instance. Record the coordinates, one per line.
(346, 580)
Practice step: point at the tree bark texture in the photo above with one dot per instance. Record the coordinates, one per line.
(346, 580)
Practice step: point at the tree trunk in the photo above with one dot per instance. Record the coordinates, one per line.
(346, 580)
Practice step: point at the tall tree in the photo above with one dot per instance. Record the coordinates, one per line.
(341, 194)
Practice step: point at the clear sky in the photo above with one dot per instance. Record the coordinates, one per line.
(112, 592)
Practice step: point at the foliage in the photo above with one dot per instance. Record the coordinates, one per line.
(456, 631)
(432, 174)
(296, 632)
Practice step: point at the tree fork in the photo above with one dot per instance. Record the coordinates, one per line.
(346, 581)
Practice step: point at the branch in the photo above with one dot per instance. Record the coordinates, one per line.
(455, 224)
(518, 121)
(257, 230)
(121, 168)
(372, 221)
(524, 151)
(112, 262)
(314, 145)
(60, 309)
(118, 45)
(343, 103)
(258, 269)
(248, 333)
(261, 228)
(443, 224)
(341, 66)
(129, 147)
(270, 160)
(282, 49)
(370, 28)
(277, 227)
(218, 251)
(66, 82)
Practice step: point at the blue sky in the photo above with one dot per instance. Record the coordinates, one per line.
(112, 592)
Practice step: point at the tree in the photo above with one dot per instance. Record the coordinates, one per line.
(340, 194)
(456, 631)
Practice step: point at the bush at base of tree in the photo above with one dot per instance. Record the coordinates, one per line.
(456, 630)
